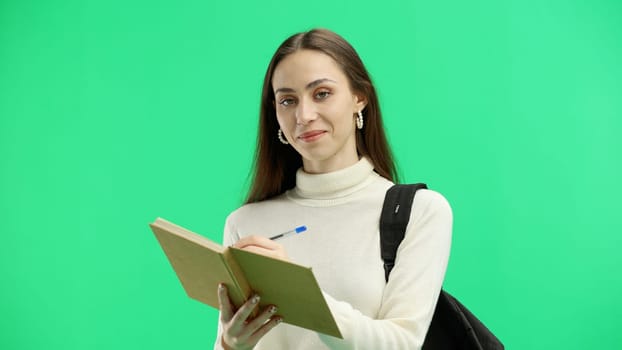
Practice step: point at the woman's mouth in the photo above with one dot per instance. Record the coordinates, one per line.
(312, 135)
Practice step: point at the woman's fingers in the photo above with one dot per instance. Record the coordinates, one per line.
(238, 321)
(239, 330)
(255, 240)
(262, 318)
(226, 309)
(255, 337)
(263, 246)
(260, 325)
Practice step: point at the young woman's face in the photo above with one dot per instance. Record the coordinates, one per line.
(316, 110)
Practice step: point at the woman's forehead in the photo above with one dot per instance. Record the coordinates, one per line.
(303, 67)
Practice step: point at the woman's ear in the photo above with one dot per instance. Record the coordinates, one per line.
(360, 102)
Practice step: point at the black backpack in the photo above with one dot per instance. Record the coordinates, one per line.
(453, 326)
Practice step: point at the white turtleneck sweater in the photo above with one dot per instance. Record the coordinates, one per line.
(342, 211)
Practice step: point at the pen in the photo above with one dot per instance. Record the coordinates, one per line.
(297, 230)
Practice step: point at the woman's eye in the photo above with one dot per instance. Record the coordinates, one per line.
(322, 95)
(286, 102)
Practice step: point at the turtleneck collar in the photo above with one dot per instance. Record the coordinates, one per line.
(335, 184)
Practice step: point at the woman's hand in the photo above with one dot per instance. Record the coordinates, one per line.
(239, 331)
(262, 245)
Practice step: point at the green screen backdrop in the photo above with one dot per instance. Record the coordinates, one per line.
(113, 113)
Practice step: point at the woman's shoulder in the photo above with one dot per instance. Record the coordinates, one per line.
(429, 202)
(431, 197)
(257, 209)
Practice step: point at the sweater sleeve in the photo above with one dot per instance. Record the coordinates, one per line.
(410, 296)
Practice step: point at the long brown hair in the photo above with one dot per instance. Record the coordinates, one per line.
(275, 164)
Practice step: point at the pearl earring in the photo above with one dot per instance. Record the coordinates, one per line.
(359, 120)
(282, 138)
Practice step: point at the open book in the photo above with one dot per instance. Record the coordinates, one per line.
(202, 264)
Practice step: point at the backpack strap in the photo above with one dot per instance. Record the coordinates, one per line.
(393, 221)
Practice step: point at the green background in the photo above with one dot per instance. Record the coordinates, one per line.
(115, 112)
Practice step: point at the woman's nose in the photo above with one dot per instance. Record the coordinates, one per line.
(305, 113)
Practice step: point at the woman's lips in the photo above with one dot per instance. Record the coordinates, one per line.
(311, 135)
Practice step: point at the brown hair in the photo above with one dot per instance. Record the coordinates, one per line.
(275, 164)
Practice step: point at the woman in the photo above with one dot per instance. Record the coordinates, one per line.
(322, 160)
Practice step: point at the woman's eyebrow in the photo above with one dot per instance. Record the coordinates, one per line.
(315, 83)
(309, 86)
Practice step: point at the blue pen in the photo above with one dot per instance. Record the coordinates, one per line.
(297, 230)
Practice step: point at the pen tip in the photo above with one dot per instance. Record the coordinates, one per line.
(301, 229)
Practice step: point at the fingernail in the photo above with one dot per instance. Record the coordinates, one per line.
(221, 286)
(255, 299)
(279, 320)
(272, 309)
